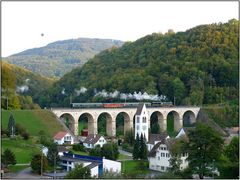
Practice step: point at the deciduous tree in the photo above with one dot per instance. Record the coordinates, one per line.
(204, 147)
(79, 172)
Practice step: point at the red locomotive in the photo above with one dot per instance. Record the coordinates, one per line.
(113, 105)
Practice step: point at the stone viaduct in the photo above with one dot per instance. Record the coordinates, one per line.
(111, 114)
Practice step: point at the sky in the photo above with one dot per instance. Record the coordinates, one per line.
(23, 23)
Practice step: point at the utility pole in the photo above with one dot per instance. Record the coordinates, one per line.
(70, 99)
(41, 163)
(7, 102)
(54, 165)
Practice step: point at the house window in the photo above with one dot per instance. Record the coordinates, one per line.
(137, 127)
(164, 148)
(138, 119)
(162, 168)
(144, 119)
(158, 157)
(162, 154)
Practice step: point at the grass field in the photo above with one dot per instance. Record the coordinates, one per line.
(122, 156)
(134, 166)
(22, 149)
(33, 121)
(17, 168)
(80, 152)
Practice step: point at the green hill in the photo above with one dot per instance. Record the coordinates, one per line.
(58, 58)
(20, 86)
(196, 67)
(34, 121)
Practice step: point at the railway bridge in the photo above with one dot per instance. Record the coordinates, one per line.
(180, 114)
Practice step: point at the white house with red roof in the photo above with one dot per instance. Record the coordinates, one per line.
(63, 138)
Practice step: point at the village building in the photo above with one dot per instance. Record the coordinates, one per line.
(154, 139)
(141, 121)
(160, 153)
(97, 165)
(63, 138)
(93, 140)
(61, 150)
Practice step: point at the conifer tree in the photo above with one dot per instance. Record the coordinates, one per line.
(8, 158)
(136, 148)
(143, 148)
(11, 126)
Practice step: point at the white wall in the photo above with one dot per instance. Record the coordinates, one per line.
(94, 172)
(142, 127)
(111, 165)
(60, 142)
(88, 145)
(155, 163)
(100, 142)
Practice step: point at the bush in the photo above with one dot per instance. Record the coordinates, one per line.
(78, 147)
(36, 163)
(25, 135)
(127, 147)
(20, 129)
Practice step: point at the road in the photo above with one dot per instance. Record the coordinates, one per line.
(24, 174)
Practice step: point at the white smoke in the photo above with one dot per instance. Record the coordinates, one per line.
(104, 93)
(81, 91)
(63, 91)
(22, 89)
(135, 95)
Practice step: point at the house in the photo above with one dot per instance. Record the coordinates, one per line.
(154, 139)
(141, 121)
(97, 165)
(93, 140)
(63, 138)
(61, 150)
(160, 153)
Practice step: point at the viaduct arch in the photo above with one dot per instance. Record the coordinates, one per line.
(179, 113)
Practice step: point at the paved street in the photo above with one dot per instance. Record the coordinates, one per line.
(24, 174)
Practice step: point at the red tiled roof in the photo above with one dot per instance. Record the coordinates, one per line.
(59, 135)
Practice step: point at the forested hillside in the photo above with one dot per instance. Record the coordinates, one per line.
(58, 58)
(20, 87)
(196, 67)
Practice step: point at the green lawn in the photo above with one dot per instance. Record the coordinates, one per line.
(80, 152)
(134, 166)
(122, 156)
(22, 149)
(33, 120)
(17, 168)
